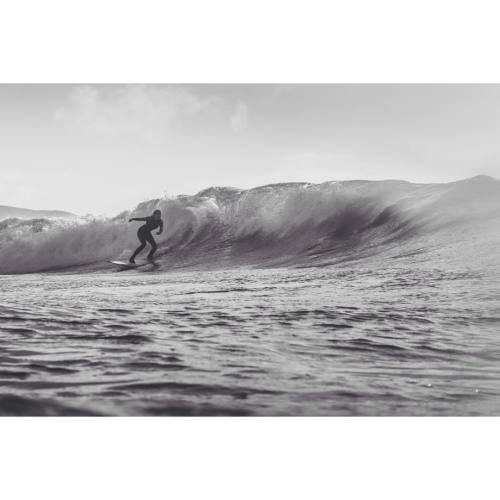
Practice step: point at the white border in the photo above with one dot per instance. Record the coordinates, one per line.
(258, 41)
(249, 41)
(249, 458)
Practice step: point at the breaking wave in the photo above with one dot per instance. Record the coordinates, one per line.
(294, 224)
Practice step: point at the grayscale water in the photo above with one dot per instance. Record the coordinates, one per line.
(339, 299)
(251, 342)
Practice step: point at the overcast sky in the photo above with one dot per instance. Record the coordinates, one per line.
(104, 148)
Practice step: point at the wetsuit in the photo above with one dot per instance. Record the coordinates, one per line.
(145, 236)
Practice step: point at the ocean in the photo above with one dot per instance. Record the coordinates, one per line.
(343, 298)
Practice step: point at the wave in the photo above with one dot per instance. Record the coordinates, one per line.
(297, 224)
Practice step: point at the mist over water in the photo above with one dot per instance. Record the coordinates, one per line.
(343, 298)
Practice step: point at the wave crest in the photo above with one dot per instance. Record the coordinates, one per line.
(293, 224)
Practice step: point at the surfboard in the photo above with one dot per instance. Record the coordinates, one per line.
(127, 265)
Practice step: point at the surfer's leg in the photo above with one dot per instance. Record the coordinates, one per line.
(153, 244)
(139, 249)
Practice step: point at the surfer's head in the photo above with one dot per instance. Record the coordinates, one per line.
(157, 214)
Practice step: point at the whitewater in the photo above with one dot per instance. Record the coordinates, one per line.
(340, 298)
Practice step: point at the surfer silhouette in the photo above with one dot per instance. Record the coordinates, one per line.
(145, 236)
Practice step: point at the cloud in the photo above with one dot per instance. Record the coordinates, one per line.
(147, 111)
(239, 117)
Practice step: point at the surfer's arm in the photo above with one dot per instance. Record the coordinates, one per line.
(161, 228)
(139, 219)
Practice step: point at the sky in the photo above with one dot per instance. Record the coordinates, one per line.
(101, 149)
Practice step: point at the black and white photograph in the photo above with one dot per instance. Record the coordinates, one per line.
(250, 250)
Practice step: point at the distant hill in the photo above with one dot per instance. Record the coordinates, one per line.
(26, 213)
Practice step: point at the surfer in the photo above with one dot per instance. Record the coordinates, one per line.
(145, 236)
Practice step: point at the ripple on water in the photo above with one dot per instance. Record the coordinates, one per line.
(20, 406)
(317, 342)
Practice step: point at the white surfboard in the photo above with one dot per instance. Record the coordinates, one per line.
(127, 265)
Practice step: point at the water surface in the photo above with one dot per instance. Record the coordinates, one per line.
(405, 340)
